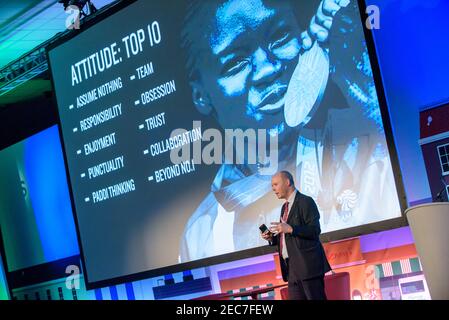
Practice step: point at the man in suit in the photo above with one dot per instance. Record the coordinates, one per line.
(302, 258)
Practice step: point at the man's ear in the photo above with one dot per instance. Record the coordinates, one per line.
(200, 98)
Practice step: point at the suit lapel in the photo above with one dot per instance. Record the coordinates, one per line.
(294, 206)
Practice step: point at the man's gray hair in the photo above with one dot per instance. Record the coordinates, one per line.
(288, 176)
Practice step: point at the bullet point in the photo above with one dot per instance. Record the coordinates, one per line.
(137, 102)
(71, 107)
(141, 126)
(78, 152)
(87, 199)
(145, 151)
(83, 175)
(132, 77)
(150, 178)
(75, 129)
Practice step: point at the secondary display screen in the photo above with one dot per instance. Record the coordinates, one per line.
(175, 114)
(36, 218)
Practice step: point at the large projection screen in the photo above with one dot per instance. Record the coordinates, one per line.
(174, 115)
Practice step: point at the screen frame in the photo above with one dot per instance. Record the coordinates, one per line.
(3, 261)
(401, 221)
(21, 121)
(47, 271)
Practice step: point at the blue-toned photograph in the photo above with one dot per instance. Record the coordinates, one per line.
(300, 70)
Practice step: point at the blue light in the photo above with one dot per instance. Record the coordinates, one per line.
(412, 45)
(49, 194)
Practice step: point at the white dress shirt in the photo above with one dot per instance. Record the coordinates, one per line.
(290, 200)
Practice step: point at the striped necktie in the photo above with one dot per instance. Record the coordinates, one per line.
(283, 219)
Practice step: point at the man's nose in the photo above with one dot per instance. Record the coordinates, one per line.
(265, 68)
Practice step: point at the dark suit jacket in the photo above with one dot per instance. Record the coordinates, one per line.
(306, 257)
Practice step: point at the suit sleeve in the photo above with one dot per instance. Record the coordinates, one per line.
(311, 229)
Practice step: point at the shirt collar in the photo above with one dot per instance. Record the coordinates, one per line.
(291, 199)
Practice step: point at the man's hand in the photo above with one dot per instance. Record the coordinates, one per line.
(280, 227)
(321, 22)
(267, 235)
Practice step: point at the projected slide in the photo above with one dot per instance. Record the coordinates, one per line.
(175, 114)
